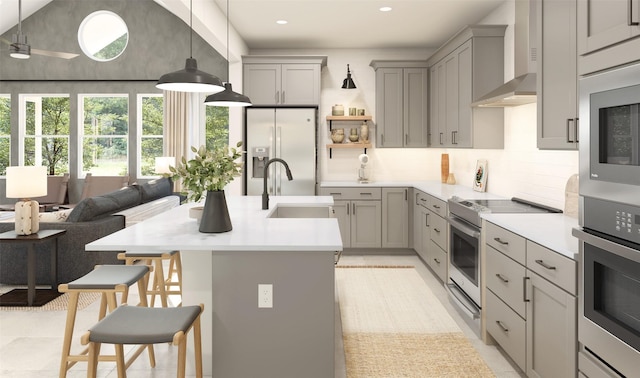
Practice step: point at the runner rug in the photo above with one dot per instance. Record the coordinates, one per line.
(394, 326)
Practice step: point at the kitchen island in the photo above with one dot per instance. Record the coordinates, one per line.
(294, 337)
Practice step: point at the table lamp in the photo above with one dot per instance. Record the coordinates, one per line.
(163, 163)
(25, 182)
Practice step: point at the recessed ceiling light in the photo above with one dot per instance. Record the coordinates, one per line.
(282, 22)
(385, 9)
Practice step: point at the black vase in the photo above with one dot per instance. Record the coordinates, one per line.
(215, 215)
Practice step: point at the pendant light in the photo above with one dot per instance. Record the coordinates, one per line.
(227, 97)
(190, 79)
(348, 82)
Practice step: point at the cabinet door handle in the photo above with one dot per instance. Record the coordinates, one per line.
(630, 19)
(524, 289)
(436, 230)
(576, 123)
(277, 97)
(348, 208)
(283, 97)
(453, 137)
(569, 121)
(441, 138)
(437, 261)
(406, 194)
(406, 139)
(545, 265)
(502, 326)
(502, 278)
(354, 209)
(501, 241)
(426, 216)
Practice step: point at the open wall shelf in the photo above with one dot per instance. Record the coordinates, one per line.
(360, 145)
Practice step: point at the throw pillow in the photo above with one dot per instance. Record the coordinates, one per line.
(55, 216)
(155, 189)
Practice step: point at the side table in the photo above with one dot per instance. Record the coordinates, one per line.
(30, 241)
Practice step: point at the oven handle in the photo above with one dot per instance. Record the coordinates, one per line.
(467, 230)
(608, 245)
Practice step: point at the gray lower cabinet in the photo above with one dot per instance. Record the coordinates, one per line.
(401, 103)
(430, 232)
(531, 305)
(359, 214)
(395, 217)
(468, 66)
(283, 80)
(557, 78)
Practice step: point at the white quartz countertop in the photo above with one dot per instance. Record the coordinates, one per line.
(252, 229)
(434, 188)
(549, 230)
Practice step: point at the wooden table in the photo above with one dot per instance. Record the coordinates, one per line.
(31, 240)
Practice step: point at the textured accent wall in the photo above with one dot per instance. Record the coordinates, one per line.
(158, 43)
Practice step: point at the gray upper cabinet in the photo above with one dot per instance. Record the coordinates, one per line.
(557, 75)
(608, 34)
(468, 66)
(282, 80)
(401, 103)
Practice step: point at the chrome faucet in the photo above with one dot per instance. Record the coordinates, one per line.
(265, 194)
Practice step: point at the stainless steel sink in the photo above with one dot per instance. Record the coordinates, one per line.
(283, 211)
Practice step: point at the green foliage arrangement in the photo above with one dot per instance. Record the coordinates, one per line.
(209, 170)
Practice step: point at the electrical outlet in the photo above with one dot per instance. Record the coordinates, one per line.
(265, 296)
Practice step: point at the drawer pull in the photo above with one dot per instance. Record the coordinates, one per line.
(335, 194)
(436, 207)
(501, 241)
(436, 230)
(437, 261)
(366, 194)
(502, 278)
(423, 200)
(502, 326)
(545, 265)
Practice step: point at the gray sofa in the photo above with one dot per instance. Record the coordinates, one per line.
(91, 219)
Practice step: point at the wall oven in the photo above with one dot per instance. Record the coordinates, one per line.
(609, 287)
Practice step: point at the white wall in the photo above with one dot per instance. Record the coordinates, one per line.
(520, 169)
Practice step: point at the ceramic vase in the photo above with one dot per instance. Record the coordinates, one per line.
(337, 135)
(353, 135)
(215, 215)
(364, 132)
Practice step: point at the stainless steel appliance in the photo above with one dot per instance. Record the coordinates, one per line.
(609, 280)
(285, 133)
(465, 224)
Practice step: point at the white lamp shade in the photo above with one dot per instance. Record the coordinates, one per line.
(26, 182)
(163, 163)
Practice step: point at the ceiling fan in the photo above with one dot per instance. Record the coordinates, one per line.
(20, 49)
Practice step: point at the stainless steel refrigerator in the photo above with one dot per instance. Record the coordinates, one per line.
(285, 133)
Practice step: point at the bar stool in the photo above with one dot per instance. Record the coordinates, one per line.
(146, 325)
(107, 280)
(160, 286)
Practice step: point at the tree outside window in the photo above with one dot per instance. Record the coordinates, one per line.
(46, 132)
(217, 128)
(151, 135)
(5, 133)
(104, 134)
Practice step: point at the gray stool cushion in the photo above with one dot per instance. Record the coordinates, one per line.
(143, 325)
(108, 276)
(148, 254)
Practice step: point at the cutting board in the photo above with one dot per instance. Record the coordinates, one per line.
(571, 194)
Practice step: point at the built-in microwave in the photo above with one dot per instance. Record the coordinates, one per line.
(610, 135)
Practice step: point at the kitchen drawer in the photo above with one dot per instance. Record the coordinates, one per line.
(553, 266)
(347, 193)
(506, 242)
(505, 278)
(438, 206)
(438, 231)
(507, 328)
(438, 261)
(422, 199)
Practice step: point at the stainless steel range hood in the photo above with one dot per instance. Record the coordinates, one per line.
(522, 89)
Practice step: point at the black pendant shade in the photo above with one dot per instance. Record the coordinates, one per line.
(190, 79)
(227, 98)
(348, 82)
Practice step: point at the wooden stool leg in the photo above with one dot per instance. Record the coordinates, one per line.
(122, 370)
(72, 309)
(179, 270)
(197, 344)
(182, 357)
(103, 306)
(159, 282)
(94, 351)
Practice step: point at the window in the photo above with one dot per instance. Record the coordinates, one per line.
(217, 130)
(5, 133)
(150, 132)
(45, 130)
(103, 139)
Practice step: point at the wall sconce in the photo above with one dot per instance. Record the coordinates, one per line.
(348, 82)
(25, 182)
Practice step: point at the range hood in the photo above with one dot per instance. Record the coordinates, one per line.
(522, 89)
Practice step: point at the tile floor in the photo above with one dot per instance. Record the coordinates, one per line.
(30, 341)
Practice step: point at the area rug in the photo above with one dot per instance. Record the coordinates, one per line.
(394, 326)
(58, 304)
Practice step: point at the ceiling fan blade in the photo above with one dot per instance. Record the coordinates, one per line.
(54, 54)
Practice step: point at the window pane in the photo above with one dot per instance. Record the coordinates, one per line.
(151, 135)
(54, 153)
(217, 126)
(105, 138)
(5, 133)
